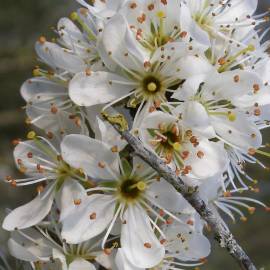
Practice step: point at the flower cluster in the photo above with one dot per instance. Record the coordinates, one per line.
(191, 78)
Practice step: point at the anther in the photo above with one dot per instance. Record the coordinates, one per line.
(141, 186)
(244, 219)
(251, 210)
(231, 116)
(31, 135)
(74, 16)
(42, 40)
(147, 245)
(93, 216)
(77, 201)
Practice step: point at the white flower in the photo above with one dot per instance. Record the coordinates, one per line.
(188, 153)
(133, 74)
(103, 9)
(48, 104)
(50, 108)
(43, 249)
(220, 199)
(184, 246)
(129, 192)
(42, 163)
(209, 21)
(154, 23)
(220, 107)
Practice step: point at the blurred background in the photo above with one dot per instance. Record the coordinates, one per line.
(21, 23)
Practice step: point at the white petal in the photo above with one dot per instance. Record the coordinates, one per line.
(107, 134)
(123, 263)
(118, 42)
(231, 85)
(81, 264)
(98, 88)
(71, 191)
(167, 197)
(40, 89)
(242, 132)
(189, 25)
(59, 123)
(83, 152)
(152, 121)
(20, 252)
(30, 164)
(196, 117)
(213, 162)
(21, 247)
(89, 219)
(57, 57)
(31, 213)
(190, 245)
(189, 87)
(139, 243)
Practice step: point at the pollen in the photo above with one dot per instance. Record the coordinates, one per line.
(147, 245)
(251, 210)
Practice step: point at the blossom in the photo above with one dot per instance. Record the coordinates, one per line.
(154, 23)
(37, 246)
(186, 151)
(183, 245)
(146, 81)
(128, 193)
(42, 163)
(48, 104)
(227, 202)
(207, 22)
(103, 9)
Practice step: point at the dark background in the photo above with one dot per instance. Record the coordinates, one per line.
(21, 23)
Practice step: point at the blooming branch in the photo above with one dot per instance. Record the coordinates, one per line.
(190, 193)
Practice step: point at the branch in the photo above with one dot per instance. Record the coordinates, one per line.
(222, 234)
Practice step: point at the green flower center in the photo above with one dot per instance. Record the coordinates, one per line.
(131, 189)
(151, 85)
